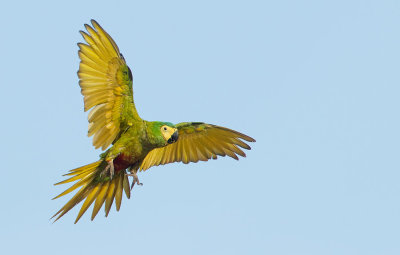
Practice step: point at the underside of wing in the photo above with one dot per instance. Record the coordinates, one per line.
(106, 84)
(199, 141)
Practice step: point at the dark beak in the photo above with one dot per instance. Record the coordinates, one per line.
(173, 138)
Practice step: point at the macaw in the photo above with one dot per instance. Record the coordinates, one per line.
(136, 144)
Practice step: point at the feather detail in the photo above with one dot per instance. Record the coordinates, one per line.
(100, 199)
(94, 188)
(106, 85)
(199, 141)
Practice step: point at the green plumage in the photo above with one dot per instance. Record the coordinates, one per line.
(131, 144)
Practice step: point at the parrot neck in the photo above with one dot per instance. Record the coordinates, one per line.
(153, 135)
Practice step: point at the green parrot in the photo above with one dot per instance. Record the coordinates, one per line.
(136, 144)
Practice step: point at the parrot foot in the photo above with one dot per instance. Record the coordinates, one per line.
(135, 179)
(109, 169)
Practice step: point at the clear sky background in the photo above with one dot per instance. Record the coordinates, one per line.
(316, 83)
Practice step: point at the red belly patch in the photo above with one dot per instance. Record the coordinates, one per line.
(121, 162)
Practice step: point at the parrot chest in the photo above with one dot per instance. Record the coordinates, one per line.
(129, 151)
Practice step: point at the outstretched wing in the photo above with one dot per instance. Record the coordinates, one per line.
(199, 141)
(106, 84)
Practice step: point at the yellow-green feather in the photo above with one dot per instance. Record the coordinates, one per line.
(94, 187)
(198, 141)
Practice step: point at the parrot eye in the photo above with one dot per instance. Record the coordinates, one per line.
(165, 128)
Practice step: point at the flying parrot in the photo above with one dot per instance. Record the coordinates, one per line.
(133, 144)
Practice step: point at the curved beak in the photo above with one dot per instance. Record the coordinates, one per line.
(174, 137)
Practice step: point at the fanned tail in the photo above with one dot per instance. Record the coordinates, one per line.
(94, 187)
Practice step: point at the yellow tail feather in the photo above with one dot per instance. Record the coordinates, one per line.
(93, 188)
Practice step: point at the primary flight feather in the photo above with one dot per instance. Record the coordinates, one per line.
(137, 144)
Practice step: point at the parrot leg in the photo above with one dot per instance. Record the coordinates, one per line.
(109, 168)
(135, 178)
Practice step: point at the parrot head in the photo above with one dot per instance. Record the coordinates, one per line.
(164, 133)
(169, 132)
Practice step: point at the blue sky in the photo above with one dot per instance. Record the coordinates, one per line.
(316, 83)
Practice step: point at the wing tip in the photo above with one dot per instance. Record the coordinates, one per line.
(87, 26)
(94, 22)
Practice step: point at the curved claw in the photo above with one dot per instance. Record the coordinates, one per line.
(109, 168)
(135, 179)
